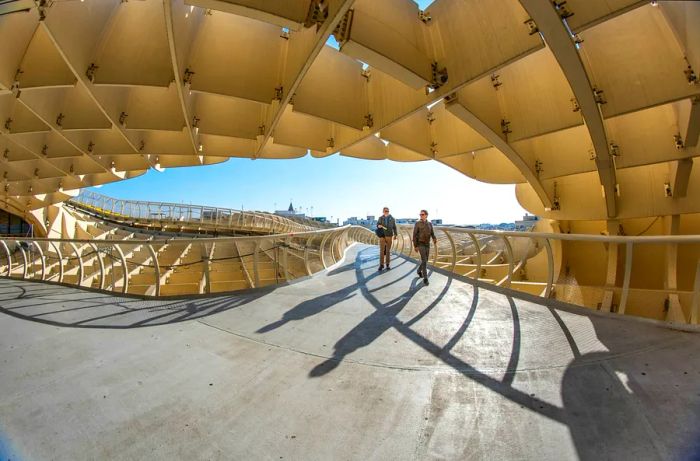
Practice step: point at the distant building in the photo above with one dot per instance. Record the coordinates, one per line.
(527, 223)
(406, 221)
(320, 219)
(369, 222)
(291, 211)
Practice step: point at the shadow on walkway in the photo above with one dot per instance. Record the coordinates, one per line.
(71, 307)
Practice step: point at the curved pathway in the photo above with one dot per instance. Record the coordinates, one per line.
(347, 364)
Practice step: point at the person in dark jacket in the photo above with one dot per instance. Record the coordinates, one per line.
(387, 224)
(422, 234)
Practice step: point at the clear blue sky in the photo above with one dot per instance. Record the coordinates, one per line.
(336, 186)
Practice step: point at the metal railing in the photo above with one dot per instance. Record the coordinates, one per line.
(529, 261)
(176, 215)
(179, 266)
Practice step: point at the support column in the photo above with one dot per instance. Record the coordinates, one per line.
(675, 311)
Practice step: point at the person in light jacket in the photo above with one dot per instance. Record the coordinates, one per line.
(387, 224)
(422, 234)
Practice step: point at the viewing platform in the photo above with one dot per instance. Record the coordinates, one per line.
(350, 363)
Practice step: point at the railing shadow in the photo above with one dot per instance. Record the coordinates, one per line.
(71, 307)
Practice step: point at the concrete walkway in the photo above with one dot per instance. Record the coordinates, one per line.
(349, 364)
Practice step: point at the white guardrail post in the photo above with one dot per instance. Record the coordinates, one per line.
(626, 280)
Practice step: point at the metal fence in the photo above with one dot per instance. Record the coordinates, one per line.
(135, 212)
(534, 262)
(181, 266)
(542, 264)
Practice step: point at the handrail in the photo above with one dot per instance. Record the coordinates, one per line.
(184, 213)
(574, 237)
(181, 239)
(169, 267)
(465, 251)
(447, 243)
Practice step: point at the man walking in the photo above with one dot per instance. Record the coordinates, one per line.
(388, 225)
(422, 234)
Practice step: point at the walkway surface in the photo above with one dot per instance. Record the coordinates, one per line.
(348, 364)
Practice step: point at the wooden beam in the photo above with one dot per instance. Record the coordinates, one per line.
(680, 176)
(337, 10)
(562, 46)
(459, 110)
(168, 10)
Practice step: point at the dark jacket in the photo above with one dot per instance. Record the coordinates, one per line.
(423, 233)
(389, 224)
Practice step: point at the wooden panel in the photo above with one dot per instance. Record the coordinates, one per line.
(334, 89)
(43, 65)
(237, 56)
(227, 116)
(587, 13)
(413, 133)
(16, 31)
(561, 152)
(135, 50)
(389, 36)
(297, 129)
(636, 61)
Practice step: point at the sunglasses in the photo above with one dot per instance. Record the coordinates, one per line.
(423, 214)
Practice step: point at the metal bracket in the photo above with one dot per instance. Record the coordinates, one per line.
(424, 16)
(495, 81)
(678, 141)
(317, 14)
(574, 104)
(690, 74)
(599, 96)
(90, 72)
(531, 26)
(562, 10)
(440, 76)
(614, 149)
(341, 33)
(43, 6)
(505, 127)
(538, 167)
(187, 78)
(668, 192)
(556, 206)
(433, 148)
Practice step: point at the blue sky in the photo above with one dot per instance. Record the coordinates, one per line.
(335, 186)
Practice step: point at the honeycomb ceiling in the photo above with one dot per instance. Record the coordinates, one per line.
(590, 106)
